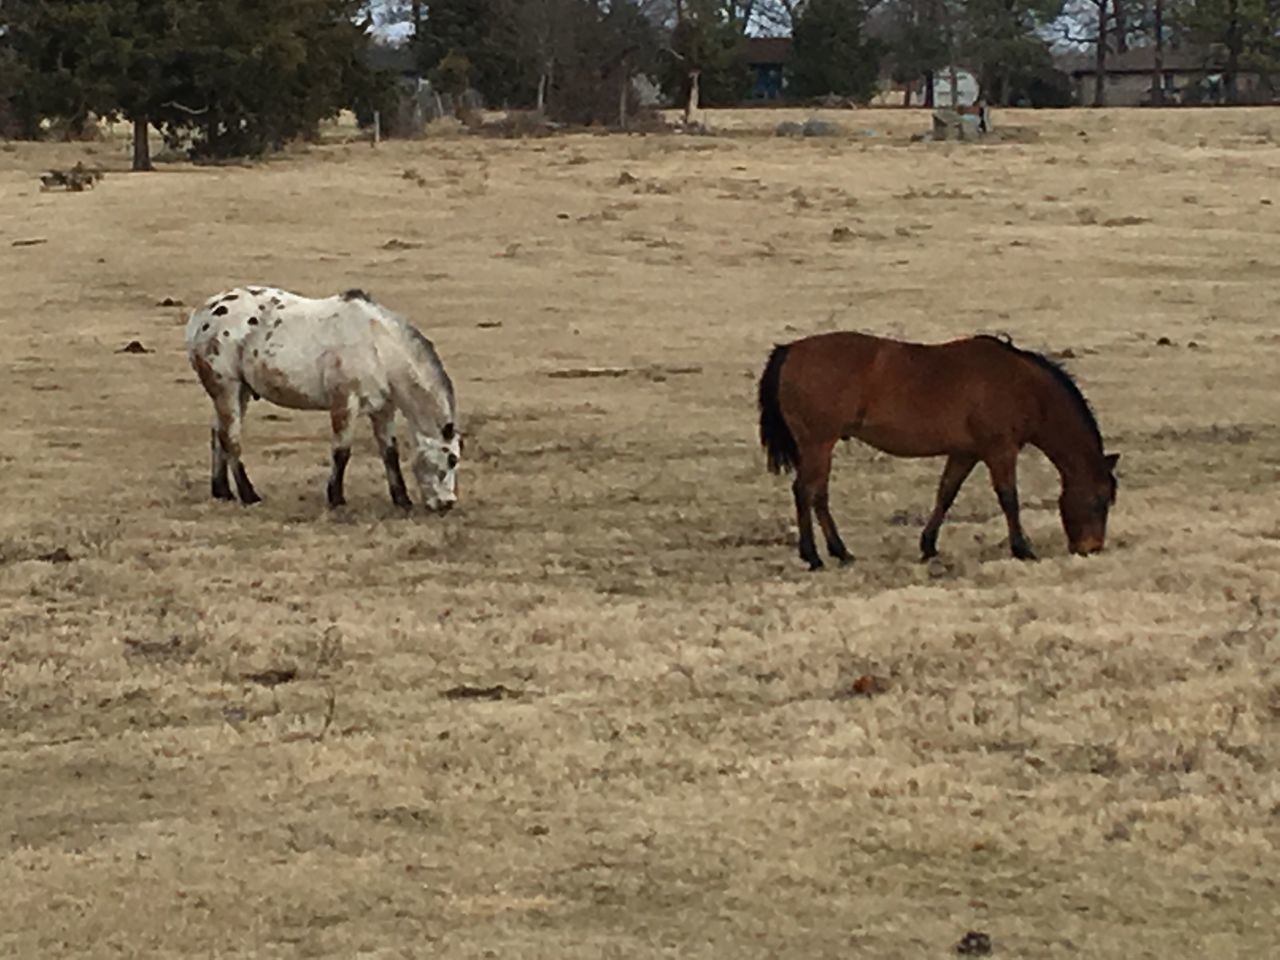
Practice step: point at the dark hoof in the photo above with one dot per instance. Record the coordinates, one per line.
(337, 503)
(815, 565)
(844, 559)
(250, 499)
(1024, 553)
(405, 505)
(223, 493)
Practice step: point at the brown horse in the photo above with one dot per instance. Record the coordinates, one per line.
(980, 398)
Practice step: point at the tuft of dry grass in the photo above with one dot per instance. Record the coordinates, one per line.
(601, 709)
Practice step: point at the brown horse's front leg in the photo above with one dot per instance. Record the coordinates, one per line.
(954, 474)
(1004, 478)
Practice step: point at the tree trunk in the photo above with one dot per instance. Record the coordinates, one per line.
(1157, 67)
(141, 145)
(928, 89)
(542, 93)
(1235, 42)
(906, 94)
(691, 105)
(624, 81)
(415, 14)
(1100, 58)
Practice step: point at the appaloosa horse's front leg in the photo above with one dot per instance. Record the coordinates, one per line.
(954, 474)
(342, 417)
(384, 435)
(1004, 477)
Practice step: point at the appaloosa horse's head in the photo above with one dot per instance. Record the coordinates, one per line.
(435, 466)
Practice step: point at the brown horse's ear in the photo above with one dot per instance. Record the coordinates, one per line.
(1112, 459)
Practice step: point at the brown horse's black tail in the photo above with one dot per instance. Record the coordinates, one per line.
(775, 435)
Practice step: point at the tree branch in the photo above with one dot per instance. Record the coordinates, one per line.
(185, 109)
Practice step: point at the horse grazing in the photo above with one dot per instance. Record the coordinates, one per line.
(344, 354)
(979, 398)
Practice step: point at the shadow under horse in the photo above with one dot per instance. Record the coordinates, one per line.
(976, 399)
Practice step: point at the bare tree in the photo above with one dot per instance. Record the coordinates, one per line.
(1157, 66)
(1099, 14)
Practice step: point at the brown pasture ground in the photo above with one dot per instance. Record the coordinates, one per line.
(254, 732)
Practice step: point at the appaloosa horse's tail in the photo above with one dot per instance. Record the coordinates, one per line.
(775, 436)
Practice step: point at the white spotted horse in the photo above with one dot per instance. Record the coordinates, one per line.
(345, 354)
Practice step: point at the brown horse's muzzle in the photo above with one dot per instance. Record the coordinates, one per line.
(1087, 546)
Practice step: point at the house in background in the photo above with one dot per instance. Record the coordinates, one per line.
(767, 56)
(394, 59)
(1189, 74)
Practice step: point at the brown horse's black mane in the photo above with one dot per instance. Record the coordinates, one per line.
(1060, 374)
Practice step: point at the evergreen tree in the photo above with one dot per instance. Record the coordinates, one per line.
(831, 54)
(243, 76)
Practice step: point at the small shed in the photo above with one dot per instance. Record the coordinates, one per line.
(767, 57)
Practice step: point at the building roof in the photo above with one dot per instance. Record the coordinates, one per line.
(1186, 58)
(384, 56)
(768, 50)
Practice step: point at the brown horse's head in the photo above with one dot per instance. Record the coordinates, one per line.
(1084, 505)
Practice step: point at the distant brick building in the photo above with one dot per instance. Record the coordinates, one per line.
(1189, 74)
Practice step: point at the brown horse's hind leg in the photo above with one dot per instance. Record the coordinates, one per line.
(822, 506)
(804, 519)
(954, 474)
(810, 488)
(1004, 477)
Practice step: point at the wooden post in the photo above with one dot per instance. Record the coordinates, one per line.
(377, 128)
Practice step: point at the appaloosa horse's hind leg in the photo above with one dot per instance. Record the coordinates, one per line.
(230, 409)
(219, 484)
(384, 435)
(954, 474)
(1003, 465)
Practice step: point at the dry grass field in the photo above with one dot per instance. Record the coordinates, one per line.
(254, 732)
